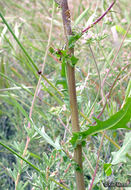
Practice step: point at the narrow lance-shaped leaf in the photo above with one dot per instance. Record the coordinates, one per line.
(118, 120)
(47, 138)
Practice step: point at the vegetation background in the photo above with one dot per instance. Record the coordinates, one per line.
(30, 21)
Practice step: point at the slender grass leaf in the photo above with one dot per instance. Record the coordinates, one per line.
(19, 43)
(35, 155)
(82, 15)
(37, 169)
(51, 84)
(11, 150)
(52, 94)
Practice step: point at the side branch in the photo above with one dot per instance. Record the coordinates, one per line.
(100, 18)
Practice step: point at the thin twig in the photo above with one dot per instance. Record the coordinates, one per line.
(89, 163)
(98, 77)
(115, 57)
(65, 126)
(98, 156)
(101, 17)
(99, 83)
(110, 91)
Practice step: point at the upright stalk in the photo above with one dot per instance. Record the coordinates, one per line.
(72, 94)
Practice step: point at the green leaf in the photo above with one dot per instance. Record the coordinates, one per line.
(124, 153)
(122, 31)
(15, 153)
(63, 79)
(72, 39)
(74, 60)
(64, 53)
(63, 82)
(128, 90)
(118, 120)
(107, 169)
(47, 138)
(51, 50)
(34, 155)
(63, 70)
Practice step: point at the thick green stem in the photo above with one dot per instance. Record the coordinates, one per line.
(72, 95)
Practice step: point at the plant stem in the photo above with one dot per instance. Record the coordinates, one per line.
(98, 156)
(101, 17)
(72, 95)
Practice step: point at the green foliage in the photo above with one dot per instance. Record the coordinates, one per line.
(128, 91)
(96, 38)
(15, 153)
(74, 60)
(107, 169)
(41, 132)
(65, 59)
(17, 40)
(51, 50)
(124, 153)
(73, 39)
(116, 121)
(24, 31)
(122, 30)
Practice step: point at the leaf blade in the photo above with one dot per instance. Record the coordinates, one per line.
(118, 120)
